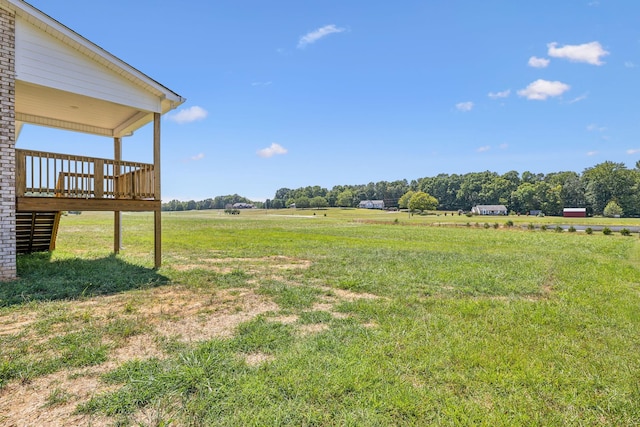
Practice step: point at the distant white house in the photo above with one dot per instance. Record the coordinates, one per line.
(489, 210)
(243, 206)
(371, 204)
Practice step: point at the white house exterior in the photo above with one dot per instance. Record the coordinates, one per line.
(52, 76)
(489, 210)
(371, 204)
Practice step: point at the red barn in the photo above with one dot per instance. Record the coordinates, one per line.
(574, 212)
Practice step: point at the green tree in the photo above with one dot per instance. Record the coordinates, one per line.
(403, 202)
(303, 202)
(345, 199)
(444, 188)
(471, 189)
(609, 181)
(524, 198)
(318, 202)
(422, 201)
(612, 209)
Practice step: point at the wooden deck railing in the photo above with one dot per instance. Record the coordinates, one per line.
(42, 174)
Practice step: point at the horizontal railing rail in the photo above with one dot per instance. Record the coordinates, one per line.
(42, 174)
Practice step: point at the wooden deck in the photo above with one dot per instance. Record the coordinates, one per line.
(57, 182)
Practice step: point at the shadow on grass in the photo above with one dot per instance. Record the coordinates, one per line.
(40, 279)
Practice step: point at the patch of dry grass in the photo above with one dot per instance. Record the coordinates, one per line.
(178, 313)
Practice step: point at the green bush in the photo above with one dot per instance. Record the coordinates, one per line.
(509, 223)
(531, 227)
(486, 225)
(572, 229)
(588, 230)
(606, 231)
(496, 225)
(543, 227)
(558, 229)
(625, 232)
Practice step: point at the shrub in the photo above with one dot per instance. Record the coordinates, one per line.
(496, 225)
(588, 230)
(543, 227)
(572, 229)
(531, 227)
(606, 231)
(486, 225)
(612, 210)
(558, 229)
(625, 232)
(509, 223)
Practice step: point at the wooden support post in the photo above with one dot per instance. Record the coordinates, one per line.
(117, 216)
(21, 173)
(156, 190)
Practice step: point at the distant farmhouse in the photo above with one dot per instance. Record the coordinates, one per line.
(574, 212)
(371, 204)
(489, 210)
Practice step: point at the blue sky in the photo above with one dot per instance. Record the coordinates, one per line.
(300, 92)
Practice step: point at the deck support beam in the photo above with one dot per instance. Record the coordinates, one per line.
(156, 182)
(117, 215)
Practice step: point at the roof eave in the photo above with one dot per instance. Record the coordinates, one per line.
(67, 35)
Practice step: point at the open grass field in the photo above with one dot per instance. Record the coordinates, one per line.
(329, 317)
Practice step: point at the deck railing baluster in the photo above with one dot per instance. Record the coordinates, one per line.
(62, 175)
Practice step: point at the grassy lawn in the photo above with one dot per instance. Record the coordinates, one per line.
(327, 317)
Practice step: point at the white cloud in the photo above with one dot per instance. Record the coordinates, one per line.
(272, 151)
(316, 35)
(633, 151)
(464, 106)
(483, 149)
(591, 153)
(587, 52)
(578, 99)
(630, 64)
(536, 62)
(594, 127)
(543, 89)
(503, 94)
(188, 115)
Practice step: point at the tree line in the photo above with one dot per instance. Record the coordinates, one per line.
(595, 188)
(218, 202)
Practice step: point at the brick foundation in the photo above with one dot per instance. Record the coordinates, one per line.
(7, 147)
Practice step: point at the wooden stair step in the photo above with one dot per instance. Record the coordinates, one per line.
(36, 231)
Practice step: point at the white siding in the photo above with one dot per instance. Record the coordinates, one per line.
(44, 60)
